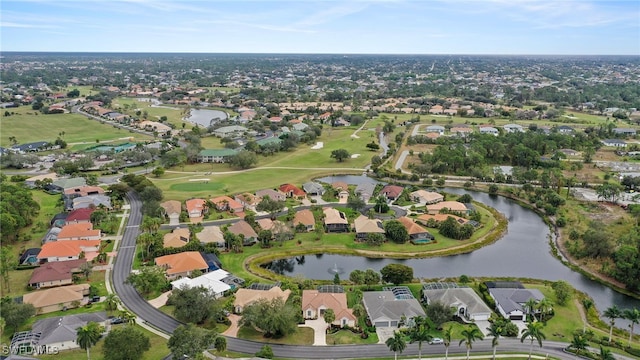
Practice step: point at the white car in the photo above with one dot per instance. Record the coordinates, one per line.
(436, 341)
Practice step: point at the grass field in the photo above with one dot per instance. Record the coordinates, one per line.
(302, 336)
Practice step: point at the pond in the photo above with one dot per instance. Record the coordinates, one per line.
(524, 251)
(205, 117)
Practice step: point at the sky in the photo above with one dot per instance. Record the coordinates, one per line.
(547, 27)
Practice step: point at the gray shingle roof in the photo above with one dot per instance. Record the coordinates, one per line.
(59, 329)
(384, 305)
(457, 296)
(512, 299)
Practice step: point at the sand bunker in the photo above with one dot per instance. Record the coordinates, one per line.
(355, 156)
(318, 145)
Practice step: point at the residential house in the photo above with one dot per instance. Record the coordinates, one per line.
(172, 210)
(58, 332)
(57, 298)
(365, 226)
(340, 185)
(55, 273)
(68, 250)
(210, 281)
(243, 228)
(292, 191)
(306, 218)
(60, 219)
(489, 130)
(225, 203)
(436, 110)
(451, 206)
(624, 131)
(79, 216)
(315, 303)
(569, 152)
(32, 147)
(417, 234)
(230, 131)
(79, 231)
(216, 155)
(461, 131)
(438, 218)
(614, 143)
(435, 129)
(469, 306)
(154, 126)
(248, 201)
(182, 264)
(83, 191)
(391, 192)
(177, 238)
(385, 310)
(335, 221)
(58, 186)
(31, 182)
(313, 188)
(513, 128)
(272, 194)
(196, 208)
(426, 197)
(275, 226)
(564, 129)
(510, 302)
(245, 297)
(211, 234)
(365, 191)
(92, 201)
(29, 257)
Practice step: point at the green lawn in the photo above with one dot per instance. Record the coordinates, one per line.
(302, 336)
(348, 337)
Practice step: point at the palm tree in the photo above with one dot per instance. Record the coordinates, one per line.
(545, 306)
(605, 354)
(396, 344)
(446, 338)
(534, 332)
(531, 305)
(469, 336)
(420, 333)
(495, 330)
(145, 240)
(633, 315)
(612, 314)
(111, 302)
(88, 336)
(128, 317)
(579, 343)
(358, 311)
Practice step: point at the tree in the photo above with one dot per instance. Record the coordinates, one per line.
(273, 207)
(608, 191)
(15, 314)
(8, 262)
(274, 318)
(374, 239)
(355, 202)
(446, 338)
(190, 340)
(111, 302)
(371, 277)
(420, 333)
(340, 155)
(265, 352)
(148, 279)
(579, 343)
(88, 335)
(396, 344)
(563, 291)
(470, 335)
(158, 171)
(531, 304)
(358, 311)
(605, 354)
(545, 306)
(439, 313)
(3, 324)
(329, 316)
(495, 330)
(373, 146)
(220, 344)
(533, 332)
(381, 205)
(612, 313)
(396, 232)
(357, 277)
(243, 160)
(397, 274)
(125, 343)
(192, 305)
(86, 269)
(633, 315)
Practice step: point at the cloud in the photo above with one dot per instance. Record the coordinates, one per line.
(333, 13)
(9, 24)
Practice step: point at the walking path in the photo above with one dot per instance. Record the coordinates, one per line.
(355, 133)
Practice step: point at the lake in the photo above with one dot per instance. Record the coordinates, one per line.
(204, 117)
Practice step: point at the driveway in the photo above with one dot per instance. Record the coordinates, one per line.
(319, 327)
(232, 331)
(385, 333)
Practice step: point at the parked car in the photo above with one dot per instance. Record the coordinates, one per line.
(117, 320)
(436, 341)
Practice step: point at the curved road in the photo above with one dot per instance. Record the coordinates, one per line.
(155, 318)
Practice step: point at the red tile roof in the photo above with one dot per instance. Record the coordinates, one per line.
(83, 214)
(55, 271)
(289, 188)
(65, 248)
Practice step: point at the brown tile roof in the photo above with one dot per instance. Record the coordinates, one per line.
(245, 297)
(243, 227)
(365, 225)
(392, 191)
(195, 205)
(289, 188)
(313, 299)
(179, 237)
(210, 234)
(172, 206)
(411, 226)
(304, 217)
(441, 217)
(182, 262)
(83, 214)
(340, 185)
(55, 271)
(230, 203)
(428, 196)
(64, 248)
(84, 190)
(54, 296)
(333, 216)
(451, 205)
(82, 230)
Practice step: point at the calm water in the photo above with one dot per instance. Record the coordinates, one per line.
(524, 251)
(204, 117)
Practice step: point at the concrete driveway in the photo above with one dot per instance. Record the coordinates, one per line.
(319, 327)
(385, 333)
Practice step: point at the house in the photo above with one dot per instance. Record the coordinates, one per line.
(182, 264)
(154, 126)
(210, 281)
(248, 201)
(340, 185)
(31, 147)
(305, 218)
(315, 303)
(79, 216)
(245, 297)
(489, 130)
(92, 201)
(172, 210)
(57, 298)
(59, 333)
(385, 310)
(436, 110)
(79, 231)
(510, 302)
(569, 152)
(417, 234)
(624, 131)
(426, 197)
(365, 226)
(196, 207)
(177, 238)
(225, 203)
(216, 155)
(31, 182)
(564, 129)
(469, 306)
(275, 226)
(513, 128)
(365, 191)
(243, 228)
(461, 131)
(451, 206)
(230, 131)
(83, 191)
(614, 142)
(335, 221)
(29, 257)
(435, 129)
(55, 273)
(211, 234)
(68, 250)
(313, 188)
(290, 190)
(272, 194)
(58, 186)
(391, 192)
(438, 218)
